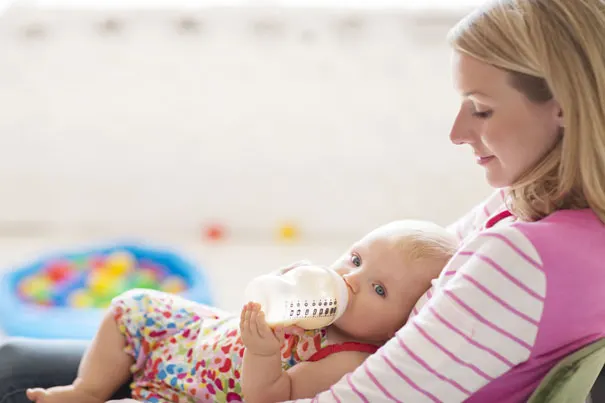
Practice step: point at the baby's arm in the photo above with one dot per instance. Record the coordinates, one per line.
(308, 379)
(262, 377)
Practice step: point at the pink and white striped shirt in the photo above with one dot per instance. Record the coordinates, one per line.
(514, 300)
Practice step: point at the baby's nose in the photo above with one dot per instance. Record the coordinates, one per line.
(352, 281)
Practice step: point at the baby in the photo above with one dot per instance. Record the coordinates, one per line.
(180, 351)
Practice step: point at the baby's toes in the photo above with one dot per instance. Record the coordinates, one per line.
(36, 395)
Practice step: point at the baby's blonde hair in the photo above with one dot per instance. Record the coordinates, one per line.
(553, 49)
(422, 240)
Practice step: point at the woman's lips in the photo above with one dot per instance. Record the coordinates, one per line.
(484, 160)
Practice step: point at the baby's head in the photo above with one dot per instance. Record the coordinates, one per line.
(387, 271)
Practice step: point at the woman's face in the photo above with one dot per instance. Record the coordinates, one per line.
(507, 132)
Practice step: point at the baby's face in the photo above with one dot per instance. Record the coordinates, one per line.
(383, 285)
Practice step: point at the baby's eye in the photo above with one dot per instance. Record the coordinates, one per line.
(380, 290)
(356, 260)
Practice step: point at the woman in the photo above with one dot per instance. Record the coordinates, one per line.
(525, 289)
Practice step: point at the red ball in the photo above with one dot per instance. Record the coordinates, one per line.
(215, 232)
(58, 271)
(96, 262)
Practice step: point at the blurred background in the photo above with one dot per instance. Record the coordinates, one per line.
(242, 134)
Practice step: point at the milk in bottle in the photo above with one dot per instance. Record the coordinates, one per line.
(310, 297)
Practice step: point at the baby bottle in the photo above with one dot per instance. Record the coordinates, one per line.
(310, 297)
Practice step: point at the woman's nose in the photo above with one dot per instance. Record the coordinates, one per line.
(461, 132)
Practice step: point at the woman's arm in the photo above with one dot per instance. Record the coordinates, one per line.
(469, 224)
(482, 321)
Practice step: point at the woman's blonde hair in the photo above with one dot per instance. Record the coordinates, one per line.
(552, 49)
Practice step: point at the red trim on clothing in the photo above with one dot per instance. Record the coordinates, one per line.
(497, 218)
(347, 346)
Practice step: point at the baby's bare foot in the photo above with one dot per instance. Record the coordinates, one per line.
(61, 394)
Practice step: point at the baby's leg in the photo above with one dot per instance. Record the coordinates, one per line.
(103, 369)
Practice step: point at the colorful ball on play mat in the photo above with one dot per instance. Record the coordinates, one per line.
(173, 284)
(92, 281)
(59, 270)
(144, 278)
(37, 289)
(81, 298)
(120, 263)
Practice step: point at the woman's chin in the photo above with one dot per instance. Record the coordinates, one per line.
(496, 178)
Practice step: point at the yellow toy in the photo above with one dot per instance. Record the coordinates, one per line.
(288, 232)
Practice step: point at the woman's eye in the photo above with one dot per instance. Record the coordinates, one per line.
(379, 290)
(483, 114)
(356, 260)
(478, 113)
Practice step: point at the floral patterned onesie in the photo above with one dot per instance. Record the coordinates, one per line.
(185, 352)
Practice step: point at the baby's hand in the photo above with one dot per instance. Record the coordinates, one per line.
(256, 334)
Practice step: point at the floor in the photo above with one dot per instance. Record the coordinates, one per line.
(229, 265)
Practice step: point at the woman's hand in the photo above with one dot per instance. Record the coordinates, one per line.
(256, 334)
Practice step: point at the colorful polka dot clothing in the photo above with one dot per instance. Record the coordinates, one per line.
(188, 352)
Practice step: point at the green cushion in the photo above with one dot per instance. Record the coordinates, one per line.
(571, 379)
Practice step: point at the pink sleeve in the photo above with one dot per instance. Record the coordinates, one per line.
(476, 218)
(455, 345)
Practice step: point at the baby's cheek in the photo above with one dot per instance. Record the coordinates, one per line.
(374, 314)
(393, 315)
(350, 319)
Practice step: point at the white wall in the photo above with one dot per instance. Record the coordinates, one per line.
(336, 120)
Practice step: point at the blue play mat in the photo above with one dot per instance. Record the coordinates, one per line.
(64, 295)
